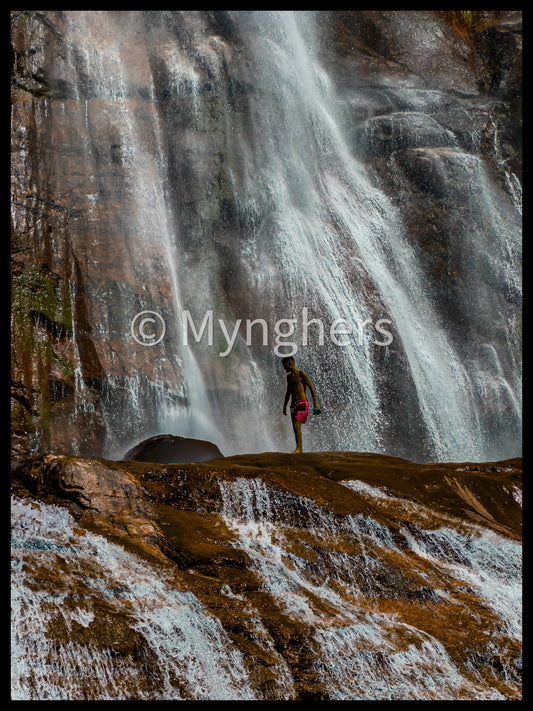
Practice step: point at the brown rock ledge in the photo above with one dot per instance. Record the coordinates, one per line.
(148, 505)
(172, 516)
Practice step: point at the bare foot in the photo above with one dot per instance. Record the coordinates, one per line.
(297, 451)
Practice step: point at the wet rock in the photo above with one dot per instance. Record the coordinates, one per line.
(438, 171)
(292, 555)
(383, 135)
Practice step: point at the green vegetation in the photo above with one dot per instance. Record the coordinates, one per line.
(461, 20)
(34, 293)
(36, 300)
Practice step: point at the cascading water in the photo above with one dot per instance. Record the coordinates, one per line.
(333, 187)
(151, 258)
(243, 196)
(394, 601)
(183, 643)
(325, 214)
(361, 653)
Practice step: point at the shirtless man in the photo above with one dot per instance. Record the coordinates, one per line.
(297, 382)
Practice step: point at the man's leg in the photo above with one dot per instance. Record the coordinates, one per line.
(297, 427)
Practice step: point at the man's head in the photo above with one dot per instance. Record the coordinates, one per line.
(288, 363)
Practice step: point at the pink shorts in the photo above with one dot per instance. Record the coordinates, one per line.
(300, 410)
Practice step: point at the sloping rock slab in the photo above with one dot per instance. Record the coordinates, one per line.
(348, 531)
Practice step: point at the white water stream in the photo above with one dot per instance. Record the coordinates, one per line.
(187, 653)
(302, 556)
(361, 653)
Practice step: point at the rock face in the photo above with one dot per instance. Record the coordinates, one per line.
(320, 576)
(167, 448)
(164, 105)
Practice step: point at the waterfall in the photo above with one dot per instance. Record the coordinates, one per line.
(197, 194)
(223, 188)
(343, 194)
(150, 257)
(327, 214)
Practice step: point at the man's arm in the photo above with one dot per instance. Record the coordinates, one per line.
(287, 396)
(309, 384)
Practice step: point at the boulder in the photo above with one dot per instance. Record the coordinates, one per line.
(167, 449)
